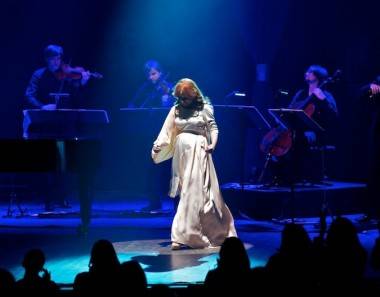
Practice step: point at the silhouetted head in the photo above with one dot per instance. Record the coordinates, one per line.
(103, 256)
(34, 260)
(7, 280)
(342, 233)
(294, 239)
(134, 274)
(233, 255)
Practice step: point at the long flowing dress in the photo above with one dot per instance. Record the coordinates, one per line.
(202, 218)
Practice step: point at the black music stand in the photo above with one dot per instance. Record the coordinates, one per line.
(297, 121)
(14, 200)
(255, 119)
(61, 99)
(81, 129)
(254, 115)
(64, 124)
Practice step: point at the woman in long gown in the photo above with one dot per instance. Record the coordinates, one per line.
(189, 136)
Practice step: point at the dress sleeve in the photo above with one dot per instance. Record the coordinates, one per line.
(166, 139)
(208, 112)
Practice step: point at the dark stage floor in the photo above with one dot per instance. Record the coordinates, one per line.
(304, 200)
(136, 235)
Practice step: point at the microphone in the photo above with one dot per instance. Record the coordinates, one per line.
(283, 92)
(239, 94)
(235, 93)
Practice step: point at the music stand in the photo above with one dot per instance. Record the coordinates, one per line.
(64, 124)
(60, 99)
(254, 115)
(81, 129)
(297, 121)
(254, 118)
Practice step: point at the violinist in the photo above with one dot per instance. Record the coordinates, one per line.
(55, 77)
(156, 91)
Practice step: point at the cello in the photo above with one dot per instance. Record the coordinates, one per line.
(278, 141)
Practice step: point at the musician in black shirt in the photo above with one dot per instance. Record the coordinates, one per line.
(322, 101)
(303, 162)
(322, 108)
(371, 93)
(53, 79)
(156, 91)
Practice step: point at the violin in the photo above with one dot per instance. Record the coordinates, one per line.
(67, 72)
(163, 86)
(278, 140)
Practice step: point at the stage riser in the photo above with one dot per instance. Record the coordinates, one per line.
(267, 205)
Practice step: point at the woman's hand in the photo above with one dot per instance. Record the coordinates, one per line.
(156, 148)
(210, 148)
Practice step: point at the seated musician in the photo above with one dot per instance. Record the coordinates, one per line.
(370, 94)
(322, 108)
(53, 79)
(156, 91)
(323, 101)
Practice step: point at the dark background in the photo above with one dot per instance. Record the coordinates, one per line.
(218, 44)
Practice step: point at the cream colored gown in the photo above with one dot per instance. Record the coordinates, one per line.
(202, 218)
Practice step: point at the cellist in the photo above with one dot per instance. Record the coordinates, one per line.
(321, 106)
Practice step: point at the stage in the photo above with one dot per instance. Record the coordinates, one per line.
(265, 202)
(143, 236)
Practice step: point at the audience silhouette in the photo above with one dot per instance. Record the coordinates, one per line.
(336, 264)
(233, 268)
(36, 280)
